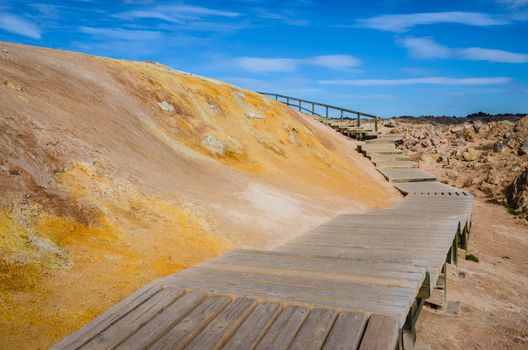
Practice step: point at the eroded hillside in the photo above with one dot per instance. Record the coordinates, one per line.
(114, 173)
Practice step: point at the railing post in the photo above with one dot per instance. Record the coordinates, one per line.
(287, 101)
(358, 120)
(276, 97)
(376, 124)
(326, 111)
(313, 108)
(341, 115)
(300, 103)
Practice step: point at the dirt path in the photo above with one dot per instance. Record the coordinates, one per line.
(493, 293)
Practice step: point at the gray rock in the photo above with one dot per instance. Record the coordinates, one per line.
(517, 193)
(254, 116)
(213, 145)
(499, 147)
(523, 150)
(167, 107)
(477, 126)
(453, 307)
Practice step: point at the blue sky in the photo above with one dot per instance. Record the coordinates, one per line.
(383, 57)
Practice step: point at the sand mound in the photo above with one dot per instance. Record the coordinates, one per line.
(114, 173)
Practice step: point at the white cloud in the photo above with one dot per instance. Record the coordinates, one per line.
(122, 34)
(175, 13)
(491, 55)
(338, 62)
(514, 3)
(266, 65)
(414, 81)
(271, 65)
(18, 25)
(402, 23)
(427, 48)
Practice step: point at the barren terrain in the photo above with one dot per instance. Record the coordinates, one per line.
(114, 173)
(487, 301)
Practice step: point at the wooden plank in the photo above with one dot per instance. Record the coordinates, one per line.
(284, 329)
(79, 338)
(252, 286)
(381, 333)
(134, 320)
(346, 332)
(314, 330)
(370, 277)
(164, 321)
(183, 333)
(218, 332)
(254, 327)
(366, 269)
(293, 288)
(311, 262)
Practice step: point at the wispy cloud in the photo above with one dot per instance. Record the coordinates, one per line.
(265, 65)
(18, 25)
(175, 13)
(427, 48)
(122, 34)
(274, 65)
(492, 55)
(514, 3)
(415, 81)
(339, 62)
(403, 22)
(287, 17)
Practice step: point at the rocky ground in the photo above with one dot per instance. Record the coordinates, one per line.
(484, 154)
(487, 155)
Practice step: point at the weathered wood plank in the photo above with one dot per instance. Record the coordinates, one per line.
(381, 333)
(346, 332)
(314, 330)
(284, 329)
(82, 336)
(184, 332)
(164, 321)
(218, 332)
(134, 320)
(254, 327)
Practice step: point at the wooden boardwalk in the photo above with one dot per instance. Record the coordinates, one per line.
(355, 282)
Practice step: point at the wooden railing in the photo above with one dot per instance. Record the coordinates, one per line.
(321, 109)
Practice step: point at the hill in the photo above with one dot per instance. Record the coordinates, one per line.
(114, 173)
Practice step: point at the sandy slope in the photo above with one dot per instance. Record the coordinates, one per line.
(103, 189)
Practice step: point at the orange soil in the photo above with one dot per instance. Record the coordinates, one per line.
(103, 191)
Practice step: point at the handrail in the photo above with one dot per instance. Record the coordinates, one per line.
(342, 111)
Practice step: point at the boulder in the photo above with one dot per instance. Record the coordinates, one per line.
(517, 193)
(523, 150)
(477, 126)
(470, 155)
(167, 107)
(521, 125)
(499, 147)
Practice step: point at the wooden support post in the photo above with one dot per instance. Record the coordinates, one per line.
(287, 101)
(326, 111)
(376, 124)
(409, 327)
(358, 120)
(341, 115)
(454, 251)
(300, 103)
(313, 108)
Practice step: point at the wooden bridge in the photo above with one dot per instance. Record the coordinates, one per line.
(355, 282)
